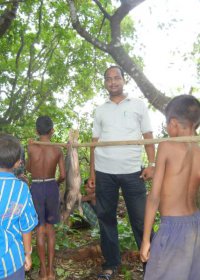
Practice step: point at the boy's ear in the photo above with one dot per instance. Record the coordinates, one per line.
(174, 122)
(17, 164)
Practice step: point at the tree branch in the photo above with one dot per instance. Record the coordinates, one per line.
(17, 61)
(118, 16)
(11, 2)
(104, 12)
(7, 17)
(118, 53)
(32, 48)
(125, 8)
(83, 33)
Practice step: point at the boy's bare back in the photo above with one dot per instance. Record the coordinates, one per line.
(175, 185)
(178, 170)
(43, 161)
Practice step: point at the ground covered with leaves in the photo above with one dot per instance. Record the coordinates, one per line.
(85, 262)
(78, 254)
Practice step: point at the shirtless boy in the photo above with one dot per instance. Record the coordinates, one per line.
(174, 253)
(42, 163)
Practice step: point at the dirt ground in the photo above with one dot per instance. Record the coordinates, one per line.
(84, 263)
(88, 270)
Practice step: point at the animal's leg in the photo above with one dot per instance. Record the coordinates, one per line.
(79, 204)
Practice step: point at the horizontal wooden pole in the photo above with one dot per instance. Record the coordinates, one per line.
(187, 139)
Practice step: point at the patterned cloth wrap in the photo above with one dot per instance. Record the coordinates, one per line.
(89, 214)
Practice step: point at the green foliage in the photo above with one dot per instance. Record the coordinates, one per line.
(126, 237)
(34, 256)
(62, 273)
(46, 69)
(35, 259)
(127, 273)
(67, 237)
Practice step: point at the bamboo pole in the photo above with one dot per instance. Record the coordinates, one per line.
(186, 139)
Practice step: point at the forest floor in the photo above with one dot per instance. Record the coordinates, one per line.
(84, 263)
(78, 254)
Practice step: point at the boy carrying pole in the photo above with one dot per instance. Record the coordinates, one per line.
(42, 163)
(17, 214)
(174, 252)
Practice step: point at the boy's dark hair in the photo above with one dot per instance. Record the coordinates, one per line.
(185, 108)
(44, 125)
(114, 66)
(10, 150)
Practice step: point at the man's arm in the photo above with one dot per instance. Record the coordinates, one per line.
(61, 165)
(88, 197)
(150, 151)
(153, 201)
(91, 180)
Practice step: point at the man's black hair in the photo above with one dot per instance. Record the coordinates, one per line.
(10, 151)
(114, 66)
(184, 108)
(44, 125)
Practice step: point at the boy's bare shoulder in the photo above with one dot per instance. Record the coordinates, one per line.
(171, 148)
(57, 150)
(35, 148)
(169, 144)
(165, 145)
(168, 149)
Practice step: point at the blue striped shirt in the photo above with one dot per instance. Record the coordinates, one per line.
(17, 216)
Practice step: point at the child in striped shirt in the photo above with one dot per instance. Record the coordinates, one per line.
(17, 214)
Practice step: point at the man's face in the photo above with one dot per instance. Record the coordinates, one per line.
(114, 82)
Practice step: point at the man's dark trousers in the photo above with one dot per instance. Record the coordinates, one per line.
(107, 196)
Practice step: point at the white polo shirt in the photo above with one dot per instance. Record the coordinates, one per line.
(127, 120)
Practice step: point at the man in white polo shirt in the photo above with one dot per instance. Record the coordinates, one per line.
(112, 167)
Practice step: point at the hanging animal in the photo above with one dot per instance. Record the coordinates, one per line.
(73, 178)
